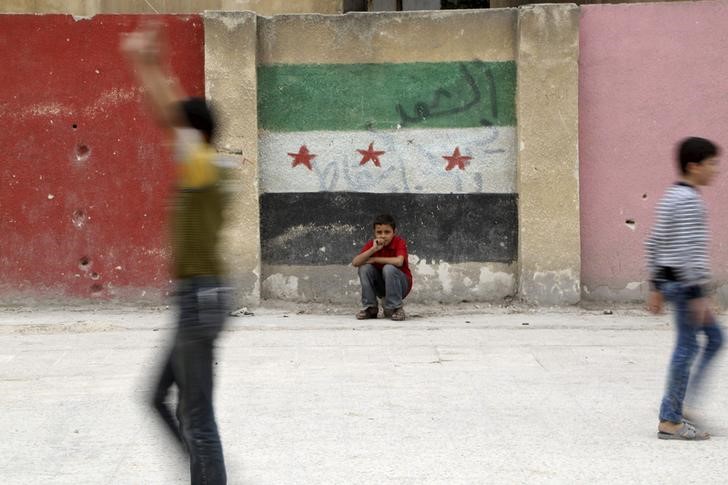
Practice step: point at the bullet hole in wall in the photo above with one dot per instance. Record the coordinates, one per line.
(630, 223)
(79, 218)
(84, 263)
(82, 153)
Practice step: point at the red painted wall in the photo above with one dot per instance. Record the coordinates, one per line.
(84, 174)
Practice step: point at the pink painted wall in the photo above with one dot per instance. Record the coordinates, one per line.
(84, 176)
(650, 75)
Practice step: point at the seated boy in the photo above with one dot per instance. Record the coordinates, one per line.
(383, 271)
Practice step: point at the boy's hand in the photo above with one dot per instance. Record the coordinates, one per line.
(144, 44)
(655, 302)
(377, 244)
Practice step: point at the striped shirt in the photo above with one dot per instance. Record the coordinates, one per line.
(678, 244)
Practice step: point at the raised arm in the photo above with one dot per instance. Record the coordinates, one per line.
(144, 50)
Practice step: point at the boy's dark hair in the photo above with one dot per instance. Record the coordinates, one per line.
(199, 115)
(695, 150)
(384, 219)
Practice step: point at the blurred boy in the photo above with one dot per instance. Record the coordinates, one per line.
(677, 259)
(196, 223)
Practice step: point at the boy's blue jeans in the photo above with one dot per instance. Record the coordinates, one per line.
(686, 349)
(203, 307)
(389, 283)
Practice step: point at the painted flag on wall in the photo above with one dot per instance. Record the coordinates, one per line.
(431, 143)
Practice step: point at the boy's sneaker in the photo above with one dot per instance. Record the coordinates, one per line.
(398, 314)
(367, 313)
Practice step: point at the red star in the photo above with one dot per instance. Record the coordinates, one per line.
(370, 154)
(302, 157)
(456, 160)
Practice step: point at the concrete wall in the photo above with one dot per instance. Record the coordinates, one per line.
(548, 157)
(350, 121)
(278, 7)
(650, 75)
(409, 113)
(85, 175)
(230, 53)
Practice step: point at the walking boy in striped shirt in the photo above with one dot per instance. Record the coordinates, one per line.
(677, 259)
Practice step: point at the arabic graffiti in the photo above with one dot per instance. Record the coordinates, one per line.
(438, 107)
(349, 97)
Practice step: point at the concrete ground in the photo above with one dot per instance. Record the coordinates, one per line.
(491, 397)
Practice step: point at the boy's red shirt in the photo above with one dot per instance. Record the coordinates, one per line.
(397, 247)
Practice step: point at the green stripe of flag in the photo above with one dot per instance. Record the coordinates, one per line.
(305, 97)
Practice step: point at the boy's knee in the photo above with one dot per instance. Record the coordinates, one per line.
(366, 269)
(390, 270)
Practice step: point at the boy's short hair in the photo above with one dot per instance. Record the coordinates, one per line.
(384, 219)
(695, 150)
(199, 115)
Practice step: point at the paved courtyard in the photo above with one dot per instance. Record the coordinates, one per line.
(493, 397)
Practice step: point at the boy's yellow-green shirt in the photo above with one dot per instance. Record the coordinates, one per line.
(197, 213)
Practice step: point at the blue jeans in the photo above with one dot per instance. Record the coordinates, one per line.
(389, 283)
(686, 349)
(203, 307)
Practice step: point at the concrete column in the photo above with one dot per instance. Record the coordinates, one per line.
(230, 82)
(548, 157)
